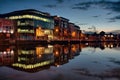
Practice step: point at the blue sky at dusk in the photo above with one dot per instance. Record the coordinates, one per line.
(103, 14)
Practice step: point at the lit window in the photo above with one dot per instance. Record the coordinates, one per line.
(30, 17)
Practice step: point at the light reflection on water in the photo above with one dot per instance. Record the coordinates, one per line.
(88, 61)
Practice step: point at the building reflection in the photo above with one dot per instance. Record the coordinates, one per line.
(34, 58)
(63, 53)
(39, 57)
(102, 45)
(6, 55)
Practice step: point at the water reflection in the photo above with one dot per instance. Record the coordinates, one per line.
(35, 58)
(38, 57)
(102, 45)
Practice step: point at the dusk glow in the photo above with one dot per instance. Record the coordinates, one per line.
(103, 14)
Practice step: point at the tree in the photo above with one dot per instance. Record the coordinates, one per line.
(102, 33)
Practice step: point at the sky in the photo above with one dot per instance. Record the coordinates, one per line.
(104, 15)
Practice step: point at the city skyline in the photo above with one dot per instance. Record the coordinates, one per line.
(102, 14)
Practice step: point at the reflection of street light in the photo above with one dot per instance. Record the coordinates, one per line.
(56, 53)
(57, 65)
(56, 30)
(73, 48)
(65, 50)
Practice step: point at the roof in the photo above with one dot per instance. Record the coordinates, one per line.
(26, 11)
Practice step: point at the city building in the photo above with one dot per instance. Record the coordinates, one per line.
(32, 24)
(77, 31)
(60, 28)
(74, 31)
(6, 55)
(65, 28)
(7, 30)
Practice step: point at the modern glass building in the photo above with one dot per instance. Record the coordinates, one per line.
(28, 21)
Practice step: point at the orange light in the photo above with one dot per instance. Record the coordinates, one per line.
(39, 32)
(65, 50)
(73, 48)
(40, 56)
(73, 34)
(56, 53)
(56, 30)
(7, 35)
(8, 49)
(65, 32)
(39, 51)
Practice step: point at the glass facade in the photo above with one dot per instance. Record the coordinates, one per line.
(36, 25)
(44, 22)
(44, 25)
(28, 21)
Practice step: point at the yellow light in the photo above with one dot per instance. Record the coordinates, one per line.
(31, 66)
(30, 17)
(40, 50)
(50, 46)
(39, 32)
(25, 31)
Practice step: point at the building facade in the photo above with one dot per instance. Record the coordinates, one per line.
(28, 21)
(7, 30)
(61, 28)
(36, 25)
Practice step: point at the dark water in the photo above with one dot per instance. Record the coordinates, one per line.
(88, 61)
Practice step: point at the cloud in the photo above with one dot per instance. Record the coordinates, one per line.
(111, 21)
(81, 6)
(109, 5)
(80, 23)
(96, 16)
(83, 24)
(114, 6)
(109, 13)
(54, 5)
(115, 18)
(59, 1)
(50, 6)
